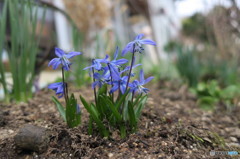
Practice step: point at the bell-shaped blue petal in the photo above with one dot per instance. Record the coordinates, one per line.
(146, 41)
(97, 76)
(128, 48)
(120, 61)
(114, 88)
(119, 84)
(128, 68)
(137, 86)
(116, 54)
(62, 59)
(72, 54)
(139, 36)
(141, 76)
(58, 88)
(136, 45)
(96, 83)
(96, 63)
(59, 52)
(55, 63)
(123, 88)
(114, 73)
(148, 80)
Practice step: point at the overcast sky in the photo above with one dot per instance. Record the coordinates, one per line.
(189, 7)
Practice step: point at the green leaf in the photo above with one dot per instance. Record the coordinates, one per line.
(137, 99)
(99, 123)
(2, 39)
(140, 106)
(132, 117)
(112, 107)
(94, 116)
(94, 110)
(121, 100)
(125, 107)
(23, 17)
(207, 102)
(89, 109)
(213, 88)
(60, 108)
(230, 92)
(73, 117)
(102, 90)
(104, 110)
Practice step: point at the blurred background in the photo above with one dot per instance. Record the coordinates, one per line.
(197, 40)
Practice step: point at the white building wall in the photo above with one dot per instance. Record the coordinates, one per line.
(165, 23)
(62, 27)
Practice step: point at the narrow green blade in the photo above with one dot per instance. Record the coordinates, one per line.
(94, 116)
(112, 107)
(60, 108)
(72, 115)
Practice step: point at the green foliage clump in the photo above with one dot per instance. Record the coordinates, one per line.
(108, 115)
(22, 52)
(187, 62)
(198, 28)
(195, 26)
(210, 93)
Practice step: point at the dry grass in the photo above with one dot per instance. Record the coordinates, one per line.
(89, 14)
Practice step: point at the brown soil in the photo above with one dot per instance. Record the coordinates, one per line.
(171, 126)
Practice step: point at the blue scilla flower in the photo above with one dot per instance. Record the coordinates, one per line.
(115, 62)
(58, 88)
(117, 81)
(128, 68)
(121, 83)
(137, 43)
(100, 79)
(96, 63)
(137, 86)
(62, 58)
(114, 72)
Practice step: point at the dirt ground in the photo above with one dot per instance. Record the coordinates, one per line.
(171, 126)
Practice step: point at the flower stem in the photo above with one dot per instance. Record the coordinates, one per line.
(95, 93)
(119, 90)
(133, 95)
(65, 90)
(129, 75)
(111, 80)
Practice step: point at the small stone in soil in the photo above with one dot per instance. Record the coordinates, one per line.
(233, 139)
(3, 120)
(110, 155)
(32, 138)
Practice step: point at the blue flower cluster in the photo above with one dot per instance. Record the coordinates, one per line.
(108, 71)
(113, 73)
